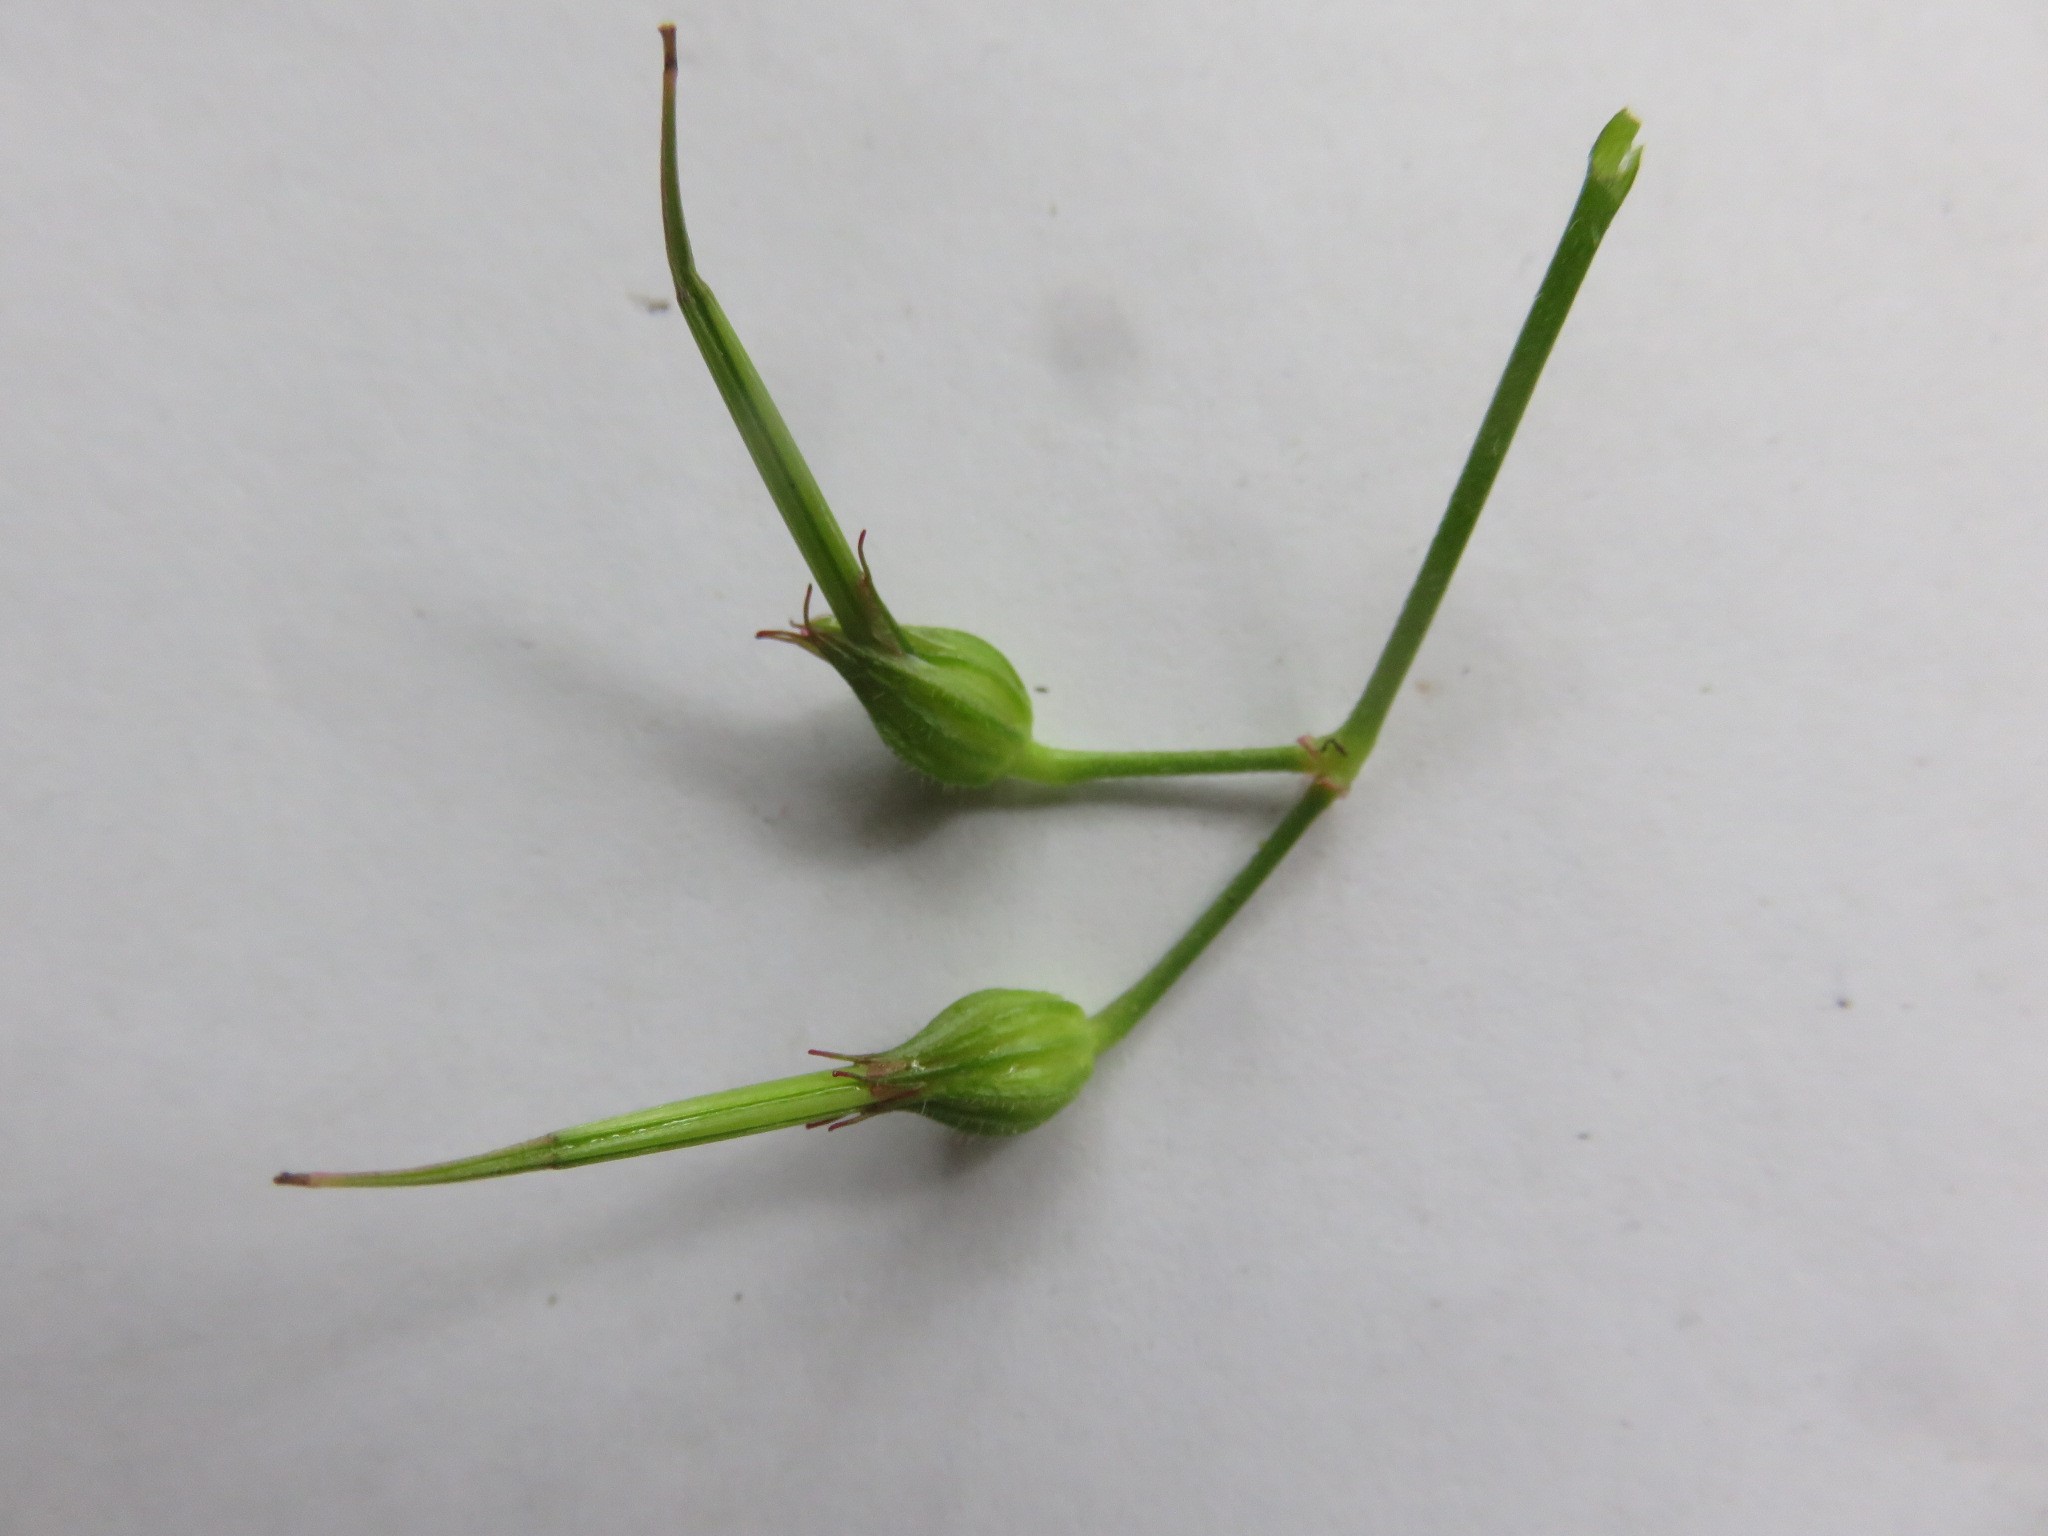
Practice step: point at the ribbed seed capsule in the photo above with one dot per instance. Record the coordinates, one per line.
(949, 703)
(996, 1063)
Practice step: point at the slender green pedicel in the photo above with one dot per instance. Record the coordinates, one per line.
(1001, 1062)
(946, 702)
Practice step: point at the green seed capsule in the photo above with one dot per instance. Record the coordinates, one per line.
(949, 704)
(996, 1063)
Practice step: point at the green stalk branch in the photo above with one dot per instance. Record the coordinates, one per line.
(1116, 1021)
(1058, 765)
(1611, 170)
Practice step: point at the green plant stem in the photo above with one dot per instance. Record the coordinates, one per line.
(773, 1106)
(1116, 1021)
(816, 1097)
(1611, 169)
(1057, 765)
(845, 584)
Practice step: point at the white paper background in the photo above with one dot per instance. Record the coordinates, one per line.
(1629, 1114)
